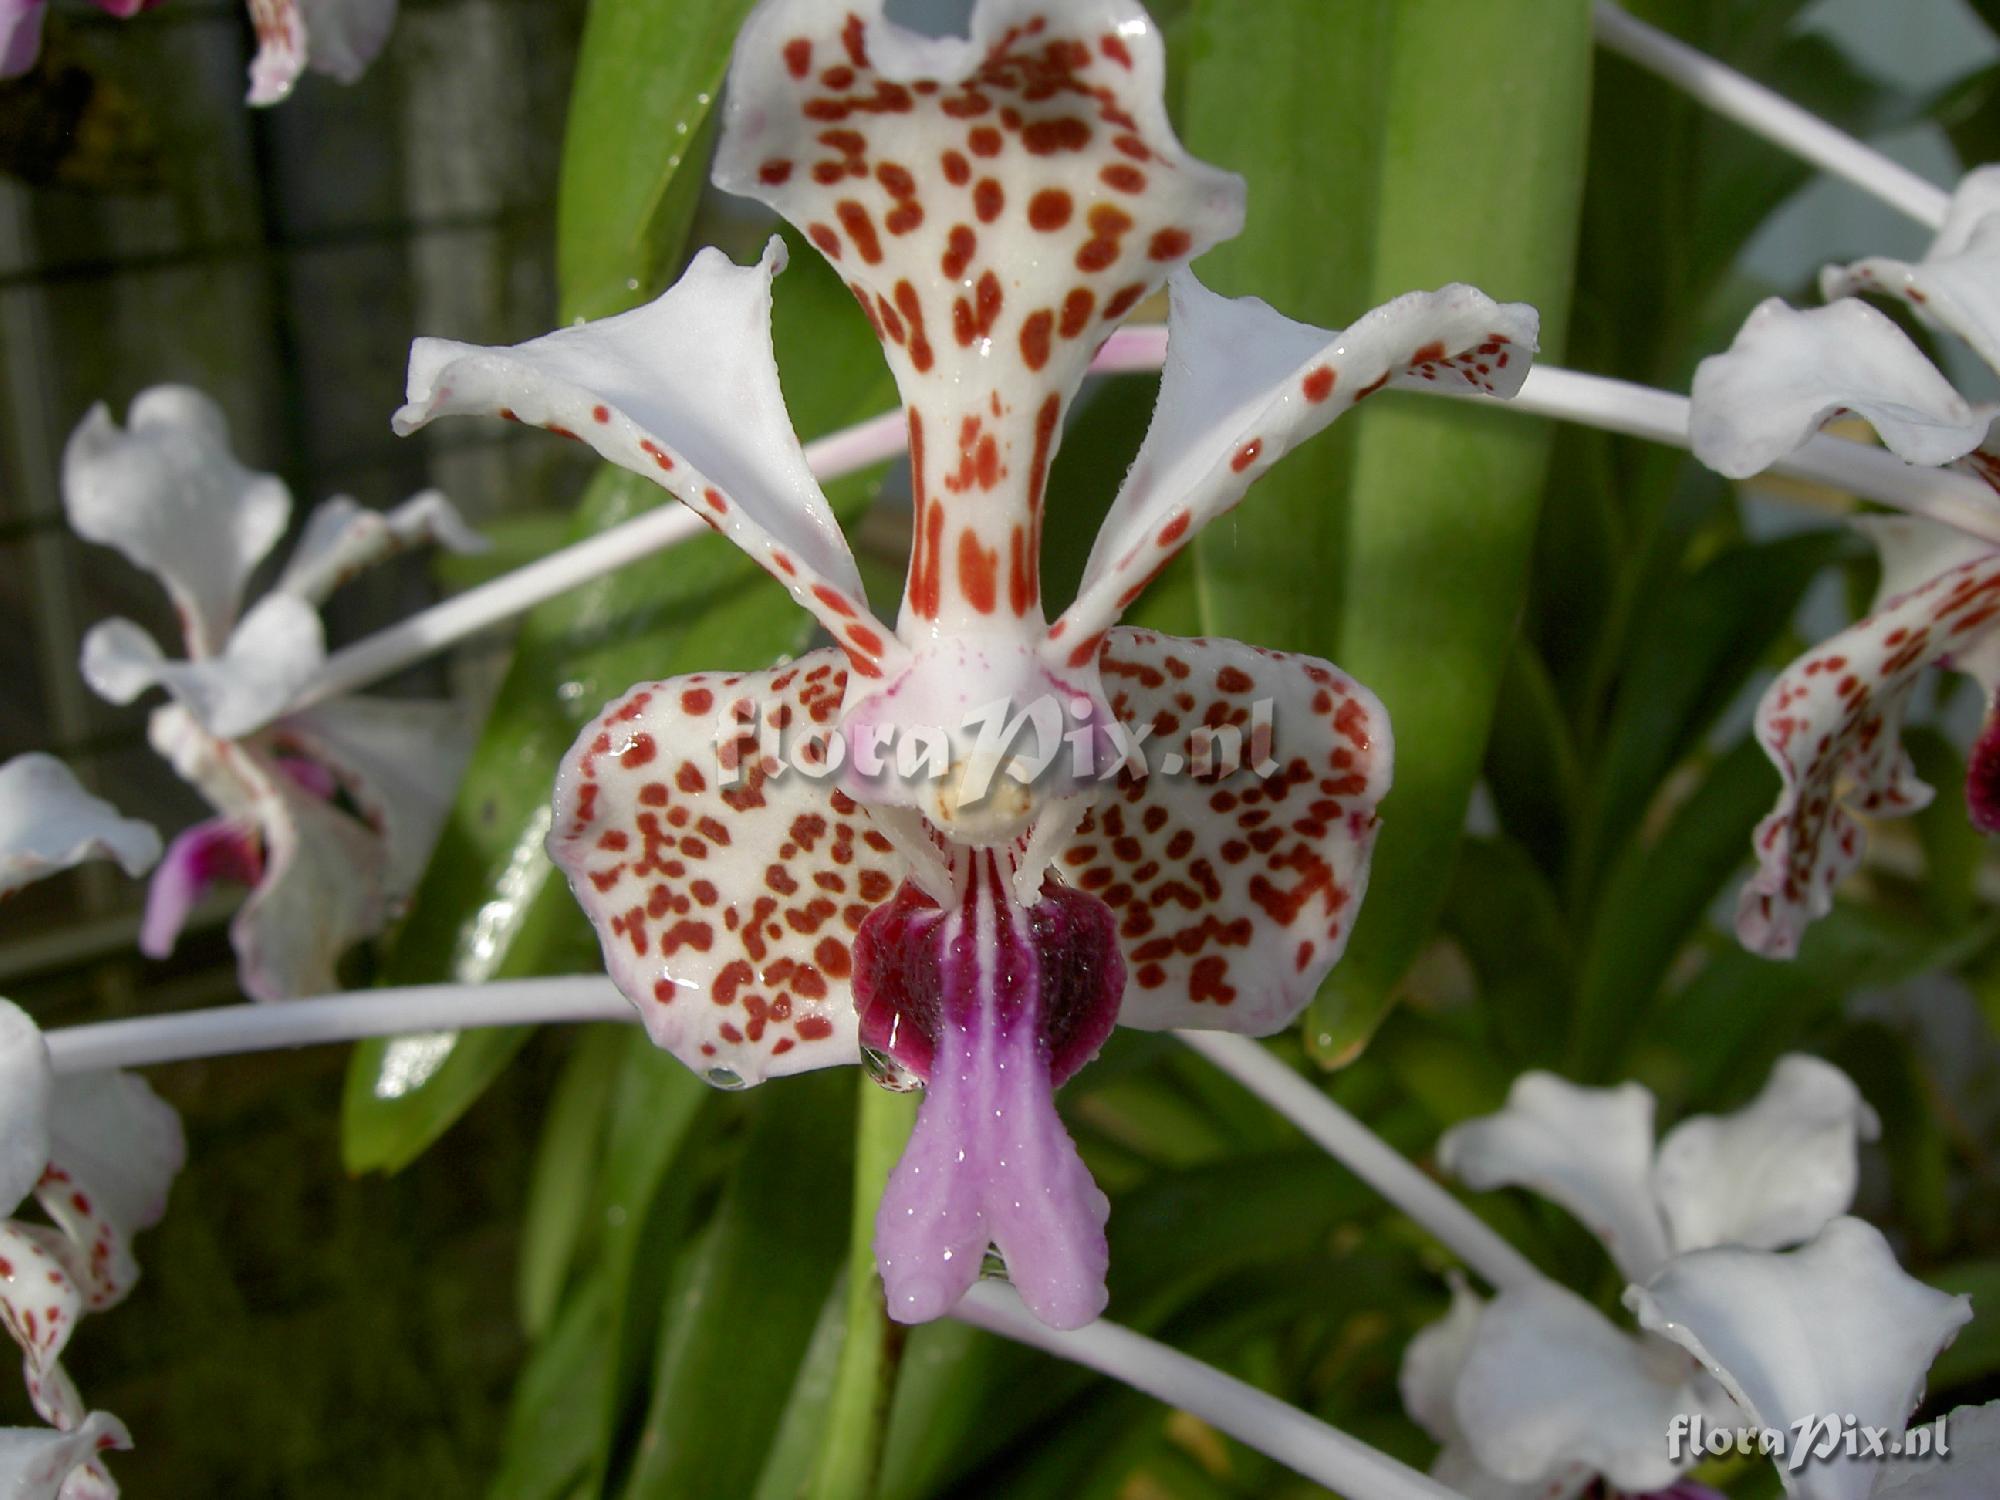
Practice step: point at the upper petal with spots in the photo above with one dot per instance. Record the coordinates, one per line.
(725, 888)
(683, 391)
(1832, 723)
(1236, 866)
(1244, 384)
(997, 203)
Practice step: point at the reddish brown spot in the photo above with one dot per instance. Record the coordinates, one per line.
(866, 639)
(860, 229)
(1319, 384)
(834, 600)
(1076, 310)
(957, 170)
(775, 172)
(1247, 455)
(798, 57)
(659, 456)
(1175, 529)
(988, 200)
(912, 309)
(1020, 573)
(851, 39)
(1371, 388)
(1233, 680)
(715, 501)
(1086, 650)
(984, 141)
(978, 569)
(1123, 301)
(638, 753)
(697, 701)
(1047, 137)
(1050, 209)
(960, 246)
(1113, 46)
(904, 217)
(1170, 244)
(1035, 338)
(813, 1028)
(823, 236)
(1126, 179)
(1430, 354)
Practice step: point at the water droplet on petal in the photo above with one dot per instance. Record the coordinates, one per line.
(889, 1073)
(994, 1266)
(725, 1078)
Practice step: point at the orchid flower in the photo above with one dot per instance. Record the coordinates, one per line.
(48, 822)
(1832, 721)
(1537, 1393)
(336, 37)
(98, 1151)
(997, 204)
(327, 813)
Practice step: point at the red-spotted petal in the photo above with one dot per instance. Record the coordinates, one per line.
(1832, 724)
(40, 1300)
(726, 886)
(115, 1149)
(683, 391)
(997, 203)
(47, 1464)
(1244, 385)
(1235, 890)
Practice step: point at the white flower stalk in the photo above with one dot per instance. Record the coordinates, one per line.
(328, 813)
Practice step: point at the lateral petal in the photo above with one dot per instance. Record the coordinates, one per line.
(166, 491)
(48, 822)
(1589, 1150)
(727, 912)
(684, 392)
(1831, 723)
(1833, 1329)
(342, 539)
(115, 1148)
(1774, 1172)
(1788, 371)
(42, 1463)
(1244, 385)
(268, 658)
(1234, 891)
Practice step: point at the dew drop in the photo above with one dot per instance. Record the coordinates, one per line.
(889, 1073)
(994, 1266)
(725, 1078)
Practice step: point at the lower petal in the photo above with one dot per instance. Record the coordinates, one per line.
(47, 1464)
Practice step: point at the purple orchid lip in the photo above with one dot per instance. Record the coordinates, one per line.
(994, 1005)
(214, 852)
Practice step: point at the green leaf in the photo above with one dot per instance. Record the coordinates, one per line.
(1531, 763)
(550, 1432)
(1953, 849)
(1975, 1353)
(565, 1173)
(1656, 898)
(1506, 919)
(1690, 660)
(1482, 175)
(742, 1317)
(647, 76)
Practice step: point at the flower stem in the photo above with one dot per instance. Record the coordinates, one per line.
(228, 1029)
(1367, 1155)
(857, 1416)
(1302, 1443)
(1726, 91)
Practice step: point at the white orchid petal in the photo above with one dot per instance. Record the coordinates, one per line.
(1244, 385)
(40, 1463)
(25, 1086)
(1433, 1360)
(41, 1298)
(1788, 371)
(1550, 1382)
(1969, 1469)
(399, 761)
(1956, 286)
(48, 822)
(683, 391)
(342, 539)
(281, 50)
(1590, 1150)
(120, 1147)
(272, 654)
(1458, 1469)
(1834, 1328)
(1832, 724)
(345, 36)
(1774, 1172)
(167, 493)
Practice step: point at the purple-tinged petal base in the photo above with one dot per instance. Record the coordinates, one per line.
(1982, 775)
(216, 852)
(994, 1004)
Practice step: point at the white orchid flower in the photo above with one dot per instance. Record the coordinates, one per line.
(98, 1152)
(1832, 721)
(48, 822)
(326, 813)
(1538, 1393)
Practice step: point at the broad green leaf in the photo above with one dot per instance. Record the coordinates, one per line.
(803, 1428)
(1531, 762)
(741, 1320)
(1656, 897)
(1505, 918)
(550, 1432)
(1975, 1353)
(1483, 145)
(1294, 103)
(565, 1173)
(647, 76)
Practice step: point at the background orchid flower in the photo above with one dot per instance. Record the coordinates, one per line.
(336, 37)
(99, 1152)
(1536, 1392)
(997, 204)
(327, 813)
(1832, 721)
(48, 822)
